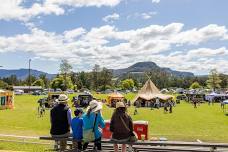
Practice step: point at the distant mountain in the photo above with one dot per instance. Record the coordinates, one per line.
(141, 67)
(23, 73)
(137, 68)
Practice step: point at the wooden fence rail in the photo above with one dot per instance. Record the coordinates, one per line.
(162, 146)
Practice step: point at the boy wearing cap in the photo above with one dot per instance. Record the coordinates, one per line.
(77, 127)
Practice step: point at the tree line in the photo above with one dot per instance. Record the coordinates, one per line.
(101, 78)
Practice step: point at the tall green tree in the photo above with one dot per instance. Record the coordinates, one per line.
(60, 82)
(84, 80)
(95, 76)
(105, 78)
(214, 80)
(45, 80)
(195, 85)
(3, 85)
(65, 69)
(12, 80)
(38, 82)
(74, 77)
(57, 83)
(32, 79)
(127, 84)
(224, 80)
(136, 83)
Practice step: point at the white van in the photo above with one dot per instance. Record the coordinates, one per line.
(18, 92)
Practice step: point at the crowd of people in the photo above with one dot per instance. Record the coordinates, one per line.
(87, 127)
(168, 106)
(156, 104)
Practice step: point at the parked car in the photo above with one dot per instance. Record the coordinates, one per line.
(37, 93)
(108, 91)
(69, 91)
(82, 100)
(18, 92)
(45, 91)
(52, 99)
(181, 97)
(127, 91)
(58, 90)
(134, 90)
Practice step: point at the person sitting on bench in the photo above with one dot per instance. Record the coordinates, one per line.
(60, 121)
(77, 128)
(93, 119)
(120, 132)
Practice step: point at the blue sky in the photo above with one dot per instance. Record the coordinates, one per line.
(186, 35)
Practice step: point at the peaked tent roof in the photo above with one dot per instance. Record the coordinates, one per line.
(149, 88)
(150, 91)
(115, 95)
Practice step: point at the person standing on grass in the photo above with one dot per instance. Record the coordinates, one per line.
(157, 102)
(151, 105)
(137, 105)
(170, 106)
(222, 104)
(194, 102)
(121, 132)
(77, 128)
(60, 117)
(93, 120)
(166, 104)
(129, 103)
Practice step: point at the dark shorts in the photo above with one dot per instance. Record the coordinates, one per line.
(120, 140)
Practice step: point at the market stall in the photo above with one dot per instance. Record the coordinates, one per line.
(6, 99)
(113, 98)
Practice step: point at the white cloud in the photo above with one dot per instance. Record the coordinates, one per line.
(148, 15)
(145, 15)
(196, 36)
(199, 60)
(197, 64)
(155, 1)
(111, 18)
(69, 35)
(207, 52)
(84, 3)
(107, 44)
(14, 9)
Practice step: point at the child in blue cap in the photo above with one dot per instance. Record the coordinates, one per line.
(77, 128)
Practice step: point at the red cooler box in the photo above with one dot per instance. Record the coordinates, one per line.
(106, 131)
(141, 128)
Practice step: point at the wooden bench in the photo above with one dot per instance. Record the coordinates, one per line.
(155, 146)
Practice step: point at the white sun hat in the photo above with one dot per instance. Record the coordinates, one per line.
(63, 98)
(95, 106)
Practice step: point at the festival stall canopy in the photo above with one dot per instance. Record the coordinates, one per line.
(149, 91)
(115, 95)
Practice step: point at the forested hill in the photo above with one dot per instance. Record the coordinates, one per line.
(23, 73)
(139, 67)
(142, 67)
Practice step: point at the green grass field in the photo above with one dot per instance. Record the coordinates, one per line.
(207, 123)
